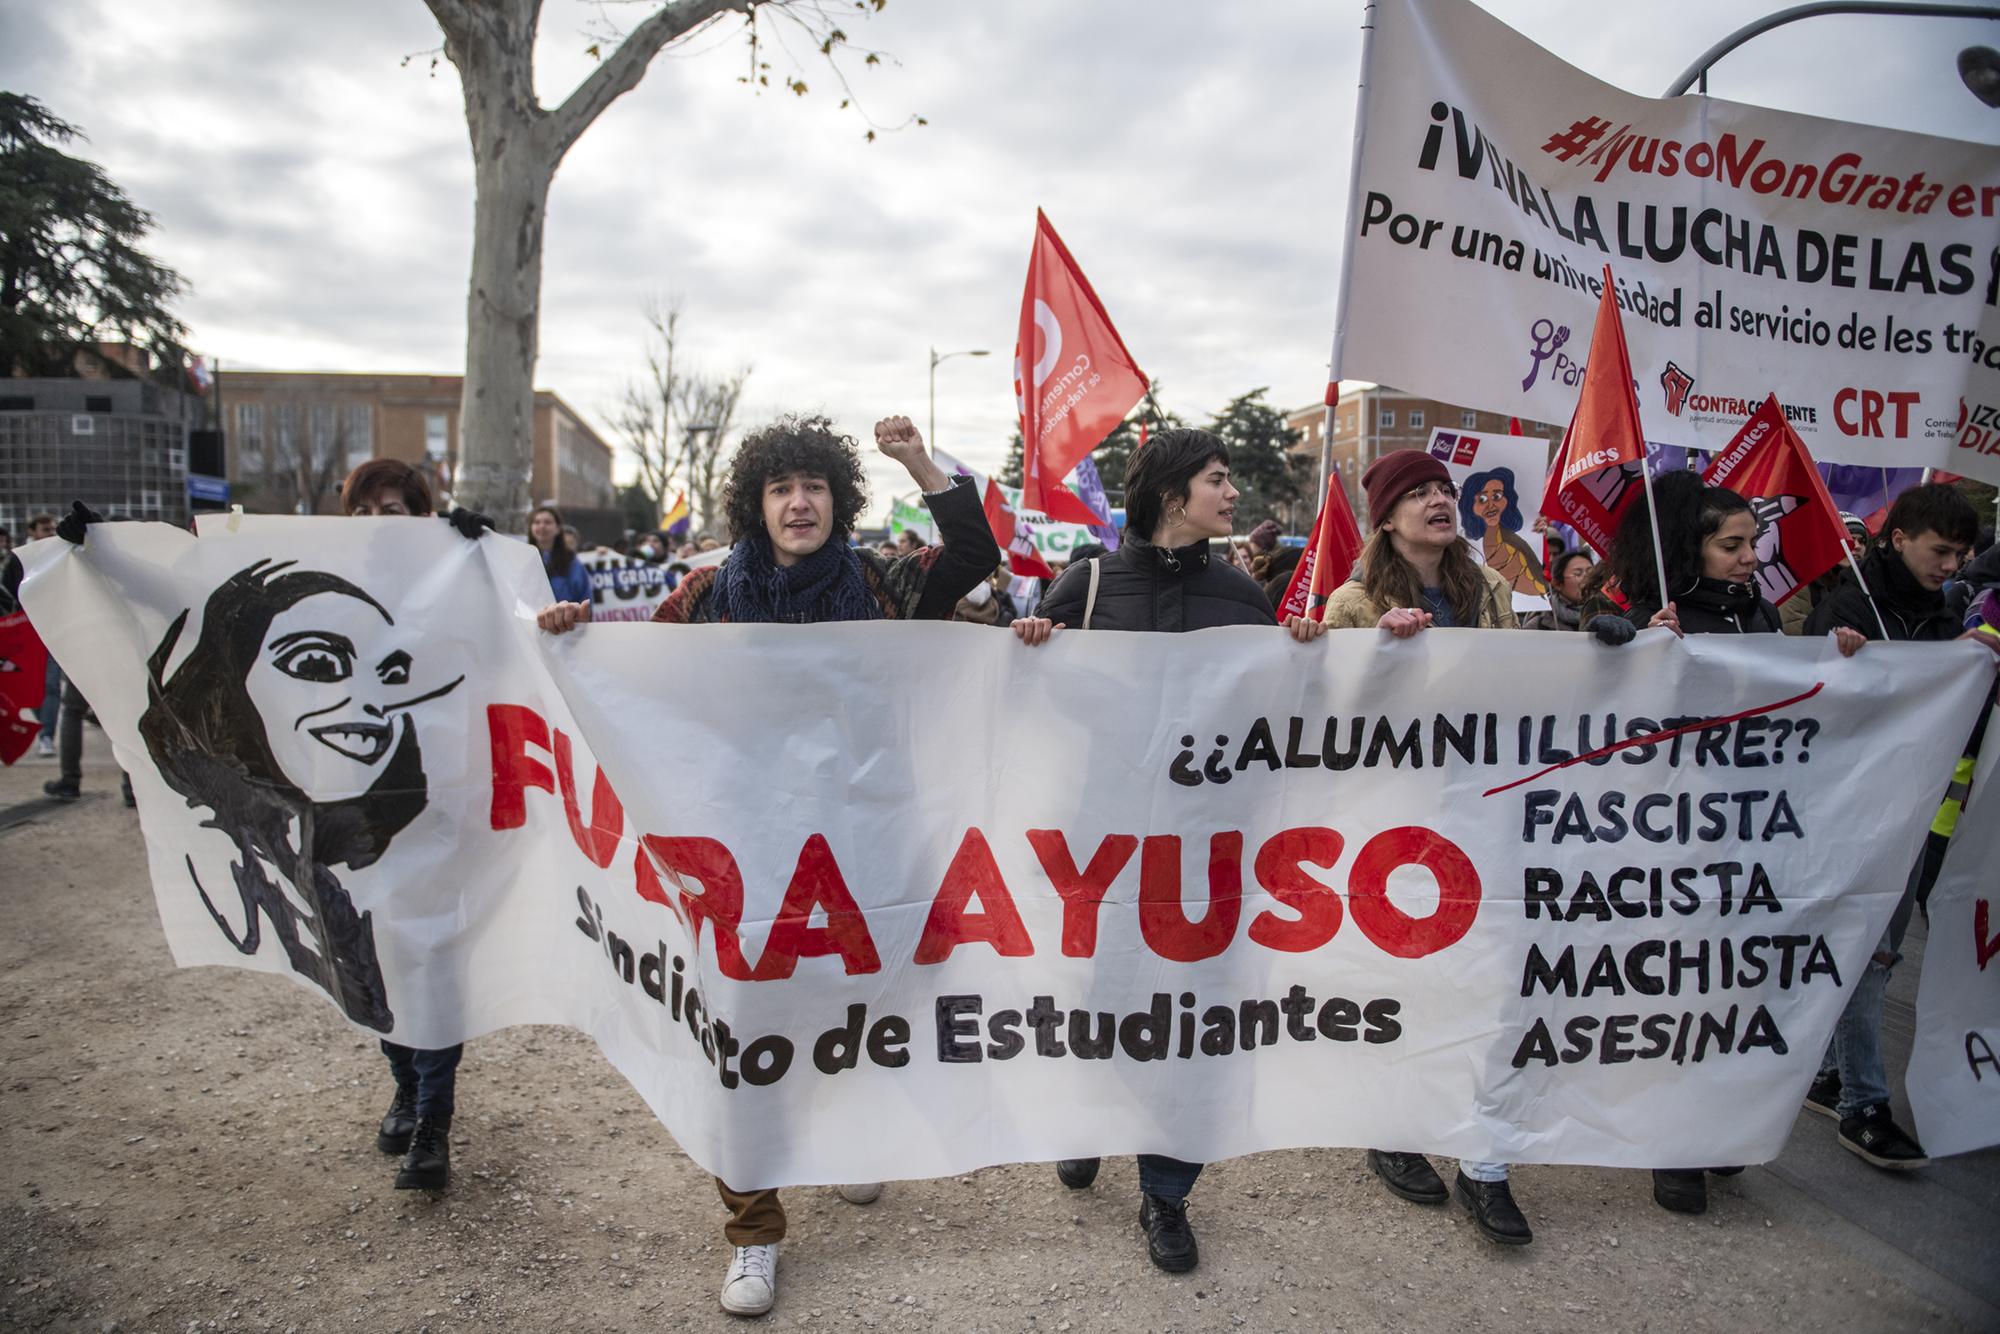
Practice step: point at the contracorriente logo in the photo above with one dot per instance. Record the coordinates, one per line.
(1547, 336)
(1676, 382)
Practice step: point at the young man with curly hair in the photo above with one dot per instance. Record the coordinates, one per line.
(794, 491)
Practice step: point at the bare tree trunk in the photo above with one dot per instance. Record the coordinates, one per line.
(516, 144)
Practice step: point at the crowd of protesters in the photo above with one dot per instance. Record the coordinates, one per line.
(796, 489)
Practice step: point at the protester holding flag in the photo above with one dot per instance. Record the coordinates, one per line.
(794, 491)
(1178, 495)
(1707, 535)
(1899, 594)
(1415, 572)
(417, 1126)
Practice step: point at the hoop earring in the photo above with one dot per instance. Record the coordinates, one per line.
(1175, 518)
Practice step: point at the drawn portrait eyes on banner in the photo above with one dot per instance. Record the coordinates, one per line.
(291, 720)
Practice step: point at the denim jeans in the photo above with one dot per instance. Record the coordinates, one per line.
(52, 684)
(1856, 1047)
(1167, 1177)
(433, 1074)
(69, 739)
(1479, 1170)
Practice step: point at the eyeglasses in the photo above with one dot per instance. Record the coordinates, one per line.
(1429, 489)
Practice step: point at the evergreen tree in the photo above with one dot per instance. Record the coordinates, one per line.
(1261, 463)
(71, 271)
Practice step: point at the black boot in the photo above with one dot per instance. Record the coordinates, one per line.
(398, 1123)
(1077, 1173)
(1682, 1192)
(427, 1166)
(1169, 1239)
(1492, 1207)
(1409, 1175)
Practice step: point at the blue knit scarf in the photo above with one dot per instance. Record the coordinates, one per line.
(752, 588)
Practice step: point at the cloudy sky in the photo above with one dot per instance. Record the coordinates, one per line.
(316, 189)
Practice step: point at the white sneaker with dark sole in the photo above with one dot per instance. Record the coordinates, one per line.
(751, 1285)
(863, 1192)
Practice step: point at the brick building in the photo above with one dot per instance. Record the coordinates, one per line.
(1371, 419)
(293, 435)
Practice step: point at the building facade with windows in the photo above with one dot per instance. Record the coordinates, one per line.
(1370, 420)
(118, 445)
(292, 436)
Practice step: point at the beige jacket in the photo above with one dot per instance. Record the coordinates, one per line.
(1350, 608)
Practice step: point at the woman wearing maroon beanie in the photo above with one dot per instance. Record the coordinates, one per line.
(1415, 570)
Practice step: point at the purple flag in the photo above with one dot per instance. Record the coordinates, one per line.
(1090, 487)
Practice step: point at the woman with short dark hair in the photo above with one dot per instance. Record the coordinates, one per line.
(1178, 499)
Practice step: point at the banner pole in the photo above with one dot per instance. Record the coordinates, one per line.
(1352, 233)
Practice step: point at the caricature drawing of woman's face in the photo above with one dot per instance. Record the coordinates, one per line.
(1491, 502)
(330, 682)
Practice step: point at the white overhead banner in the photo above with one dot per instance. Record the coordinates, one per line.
(1848, 269)
(939, 900)
(1954, 1075)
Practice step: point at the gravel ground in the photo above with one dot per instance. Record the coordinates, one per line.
(194, 1150)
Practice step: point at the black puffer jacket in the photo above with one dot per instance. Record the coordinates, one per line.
(1909, 610)
(1144, 587)
(1715, 607)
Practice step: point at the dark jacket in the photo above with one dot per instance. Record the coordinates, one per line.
(1144, 587)
(924, 585)
(1714, 607)
(1909, 610)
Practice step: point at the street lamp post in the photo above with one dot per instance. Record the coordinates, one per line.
(1978, 66)
(936, 357)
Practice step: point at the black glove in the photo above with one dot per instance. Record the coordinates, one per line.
(469, 523)
(80, 517)
(1612, 630)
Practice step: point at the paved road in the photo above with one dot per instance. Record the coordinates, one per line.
(191, 1146)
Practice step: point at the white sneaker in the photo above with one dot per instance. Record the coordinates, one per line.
(44, 747)
(866, 1192)
(751, 1284)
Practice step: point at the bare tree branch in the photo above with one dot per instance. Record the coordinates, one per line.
(623, 68)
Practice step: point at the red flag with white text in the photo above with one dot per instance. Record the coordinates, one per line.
(1022, 557)
(1329, 557)
(1799, 533)
(1073, 379)
(23, 662)
(1601, 464)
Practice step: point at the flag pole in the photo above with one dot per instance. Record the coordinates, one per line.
(1880, 624)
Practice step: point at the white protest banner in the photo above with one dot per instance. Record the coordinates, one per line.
(940, 900)
(1499, 481)
(1851, 270)
(1954, 1074)
(624, 588)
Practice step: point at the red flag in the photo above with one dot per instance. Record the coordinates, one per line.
(1330, 554)
(1799, 533)
(1022, 558)
(1073, 379)
(23, 662)
(1513, 426)
(1601, 465)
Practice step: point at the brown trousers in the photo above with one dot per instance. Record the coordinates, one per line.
(756, 1217)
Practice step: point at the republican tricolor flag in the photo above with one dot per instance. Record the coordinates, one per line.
(1073, 379)
(1799, 533)
(1022, 557)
